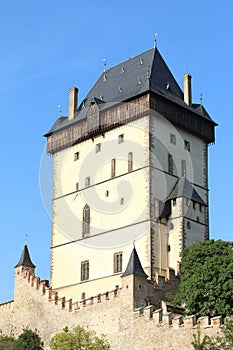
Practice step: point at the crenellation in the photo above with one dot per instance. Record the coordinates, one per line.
(177, 322)
(216, 321)
(204, 321)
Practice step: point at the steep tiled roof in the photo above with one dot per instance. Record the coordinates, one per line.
(183, 188)
(134, 266)
(135, 76)
(25, 259)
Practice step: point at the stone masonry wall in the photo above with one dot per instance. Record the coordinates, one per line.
(38, 307)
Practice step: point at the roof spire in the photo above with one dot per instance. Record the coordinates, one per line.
(25, 259)
(201, 99)
(134, 266)
(105, 64)
(155, 40)
(25, 239)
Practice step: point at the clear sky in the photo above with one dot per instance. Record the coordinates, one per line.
(48, 46)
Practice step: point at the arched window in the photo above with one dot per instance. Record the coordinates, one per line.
(86, 221)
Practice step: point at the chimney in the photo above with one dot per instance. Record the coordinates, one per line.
(73, 102)
(188, 89)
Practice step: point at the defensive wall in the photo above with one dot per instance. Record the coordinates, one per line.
(113, 313)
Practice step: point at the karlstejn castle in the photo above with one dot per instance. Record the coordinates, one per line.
(130, 192)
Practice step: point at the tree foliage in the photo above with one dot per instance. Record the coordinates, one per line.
(6, 343)
(78, 339)
(28, 340)
(206, 286)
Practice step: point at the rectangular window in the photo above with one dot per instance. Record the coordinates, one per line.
(130, 162)
(76, 156)
(87, 181)
(83, 295)
(183, 168)
(187, 145)
(170, 163)
(173, 139)
(118, 262)
(85, 270)
(77, 186)
(121, 138)
(98, 147)
(113, 168)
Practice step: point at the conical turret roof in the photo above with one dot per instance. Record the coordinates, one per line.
(134, 266)
(25, 259)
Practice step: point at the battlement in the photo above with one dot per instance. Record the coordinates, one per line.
(168, 319)
(67, 304)
(7, 306)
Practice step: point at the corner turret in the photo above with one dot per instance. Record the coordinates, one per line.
(25, 263)
(134, 282)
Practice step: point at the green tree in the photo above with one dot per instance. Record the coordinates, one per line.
(28, 340)
(78, 339)
(6, 343)
(206, 286)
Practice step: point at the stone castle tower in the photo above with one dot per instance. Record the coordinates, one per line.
(130, 165)
(130, 192)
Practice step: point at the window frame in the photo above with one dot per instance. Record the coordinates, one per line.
(85, 270)
(118, 262)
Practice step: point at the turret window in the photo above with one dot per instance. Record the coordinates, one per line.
(86, 221)
(130, 162)
(170, 163)
(113, 168)
(173, 139)
(121, 138)
(187, 145)
(183, 168)
(76, 156)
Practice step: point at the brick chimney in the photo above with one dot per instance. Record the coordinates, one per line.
(73, 101)
(188, 89)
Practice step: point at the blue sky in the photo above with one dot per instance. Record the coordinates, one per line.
(47, 46)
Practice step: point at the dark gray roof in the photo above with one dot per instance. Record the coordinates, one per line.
(134, 266)
(144, 72)
(139, 74)
(25, 259)
(183, 188)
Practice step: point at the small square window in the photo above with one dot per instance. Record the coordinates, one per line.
(173, 139)
(76, 156)
(87, 181)
(98, 147)
(187, 145)
(117, 262)
(121, 138)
